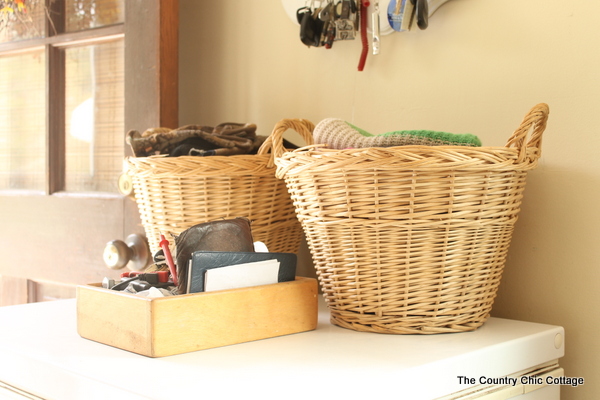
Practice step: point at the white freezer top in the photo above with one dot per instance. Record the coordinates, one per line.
(41, 352)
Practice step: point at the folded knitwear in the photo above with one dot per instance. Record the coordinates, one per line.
(224, 139)
(339, 134)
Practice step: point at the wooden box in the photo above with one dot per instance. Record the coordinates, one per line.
(178, 324)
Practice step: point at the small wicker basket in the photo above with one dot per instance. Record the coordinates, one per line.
(175, 193)
(409, 239)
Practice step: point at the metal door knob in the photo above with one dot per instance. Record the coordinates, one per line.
(126, 185)
(133, 253)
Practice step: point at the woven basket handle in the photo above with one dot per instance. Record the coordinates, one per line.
(534, 121)
(274, 143)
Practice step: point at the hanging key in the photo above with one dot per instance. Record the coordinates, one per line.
(346, 20)
(375, 27)
(300, 13)
(311, 28)
(327, 15)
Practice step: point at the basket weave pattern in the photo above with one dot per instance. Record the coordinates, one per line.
(410, 239)
(175, 193)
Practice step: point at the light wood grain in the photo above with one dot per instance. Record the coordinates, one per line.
(179, 324)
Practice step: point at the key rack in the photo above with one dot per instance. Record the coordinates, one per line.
(292, 6)
(324, 22)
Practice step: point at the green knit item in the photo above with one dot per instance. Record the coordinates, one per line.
(460, 139)
(339, 134)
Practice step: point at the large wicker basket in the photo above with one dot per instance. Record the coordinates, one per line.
(175, 193)
(409, 239)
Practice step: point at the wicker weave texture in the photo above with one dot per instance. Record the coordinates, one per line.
(175, 193)
(410, 239)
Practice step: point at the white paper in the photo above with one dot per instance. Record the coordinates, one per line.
(242, 275)
(260, 247)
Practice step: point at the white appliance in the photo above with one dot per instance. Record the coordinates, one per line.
(42, 356)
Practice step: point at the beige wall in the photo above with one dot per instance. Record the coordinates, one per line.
(478, 68)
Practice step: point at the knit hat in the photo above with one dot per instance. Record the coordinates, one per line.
(339, 134)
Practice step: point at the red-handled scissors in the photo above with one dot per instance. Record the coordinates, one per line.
(164, 244)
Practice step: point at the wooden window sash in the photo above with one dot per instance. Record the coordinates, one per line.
(141, 20)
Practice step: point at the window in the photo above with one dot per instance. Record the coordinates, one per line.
(22, 121)
(61, 95)
(68, 89)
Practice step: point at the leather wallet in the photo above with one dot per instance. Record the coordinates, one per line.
(222, 235)
(204, 260)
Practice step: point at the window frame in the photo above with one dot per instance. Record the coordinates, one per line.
(64, 232)
(151, 56)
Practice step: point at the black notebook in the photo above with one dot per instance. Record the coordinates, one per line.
(203, 261)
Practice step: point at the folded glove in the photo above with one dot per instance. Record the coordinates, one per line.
(224, 139)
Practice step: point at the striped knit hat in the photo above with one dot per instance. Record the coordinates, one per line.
(339, 134)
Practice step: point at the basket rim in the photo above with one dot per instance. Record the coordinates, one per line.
(407, 158)
(239, 164)
(156, 157)
(322, 150)
(518, 153)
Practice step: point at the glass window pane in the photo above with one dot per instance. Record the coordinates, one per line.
(20, 19)
(22, 122)
(86, 14)
(94, 117)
